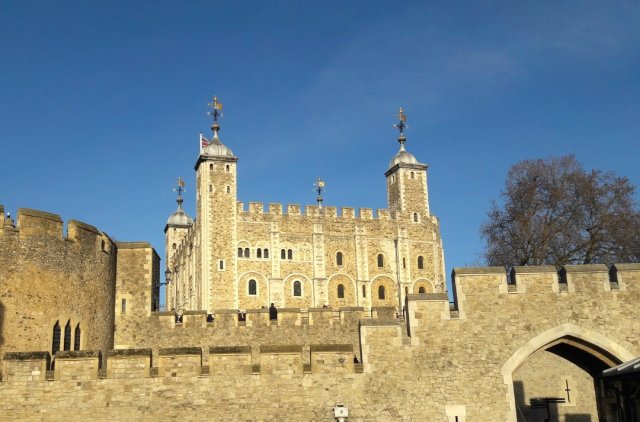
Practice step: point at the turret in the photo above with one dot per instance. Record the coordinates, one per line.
(216, 210)
(407, 180)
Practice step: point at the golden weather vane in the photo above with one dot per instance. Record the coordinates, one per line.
(216, 107)
(319, 187)
(402, 122)
(180, 187)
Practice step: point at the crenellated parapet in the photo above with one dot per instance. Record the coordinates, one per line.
(61, 285)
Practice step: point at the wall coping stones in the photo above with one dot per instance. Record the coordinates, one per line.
(133, 245)
(129, 352)
(351, 308)
(78, 354)
(289, 349)
(534, 269)
(429, 296)
(84, 226)
(383, 308)
(40, 214)
(332, 348)
(320, 309)
(626, 267)
(591, 268)
(228, 350)
(26, 356)
(168, 351)
(478, 270)
(289, 310)
(225, 311)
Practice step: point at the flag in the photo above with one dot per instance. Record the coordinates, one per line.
(217, 104)
(203, 142)
(180, 182)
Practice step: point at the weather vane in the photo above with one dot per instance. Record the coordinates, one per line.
(180, 187)
(402, 123)
(216, 107)
(319, 187)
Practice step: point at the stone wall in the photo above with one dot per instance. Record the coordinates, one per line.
(47, 278)
(447, 364)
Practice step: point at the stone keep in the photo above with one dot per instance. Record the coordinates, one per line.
(233, 257)
(81, 336)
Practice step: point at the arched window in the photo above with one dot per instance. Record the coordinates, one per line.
(364, 291)
(227, 168)
(413, 175)
(283, 254)
(297, 288)
(210, 166)
(240, 253)
(55, 344)
(289, 254)
(247, 254)
(173, 246)
(339, 258)
(221, 265)
(253, 287)
(415, 217)
(380, 260)
(67, 336)
(381, 292)
(340, 291)
(420, 263)
(259, 253)
(422, 290)
(266, 253)
(76, 338)
(228, 189)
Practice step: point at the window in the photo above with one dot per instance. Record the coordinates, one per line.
(240, 254)
(102, 245)
(420, 263)
(422, 290)
(283, 254)
(404, 263)
(67, 336)
(364, 291)
(259, 253)
(413, 175)
(339, 259)
(123, 306)
(221, 265)
(226, 168)
(76, 338)
(380, 260)
(381, 292)
(210, 188)
(173, 246)
(289, 254)
(210, 166)
(415, 217)
(253, 288)
(247, 254)
(297, 288)
(228, 189)
(55, 344)
(340, 291)
(266, 253)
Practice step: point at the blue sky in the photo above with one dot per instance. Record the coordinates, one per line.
(101, 103)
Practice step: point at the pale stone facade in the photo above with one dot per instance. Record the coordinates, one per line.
(239, 257)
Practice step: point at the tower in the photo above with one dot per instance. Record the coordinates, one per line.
(216, 219)
(175, 231)
(407, 180)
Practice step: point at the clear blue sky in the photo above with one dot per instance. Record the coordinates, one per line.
(101, 103)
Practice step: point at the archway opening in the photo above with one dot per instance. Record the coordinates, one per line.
(560, 381)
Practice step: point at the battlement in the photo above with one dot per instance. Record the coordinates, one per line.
(177, 362)
(34, 223)
(314, 211)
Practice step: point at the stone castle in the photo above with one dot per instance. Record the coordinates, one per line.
(364, 329)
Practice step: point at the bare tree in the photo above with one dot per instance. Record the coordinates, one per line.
(555, 213)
